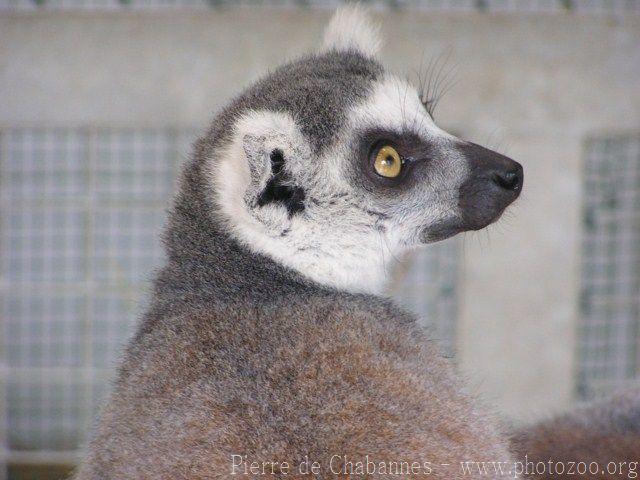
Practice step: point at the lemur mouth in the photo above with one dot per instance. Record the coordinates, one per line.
(494, 183)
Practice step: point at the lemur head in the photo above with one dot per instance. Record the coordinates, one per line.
(332, 166)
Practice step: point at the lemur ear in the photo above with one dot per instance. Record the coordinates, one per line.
(270, 181)
(351, 29)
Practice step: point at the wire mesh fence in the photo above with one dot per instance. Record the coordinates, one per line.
(79, 220)
(609, 337)
(499, 6)
(80, 214)
(426, 284)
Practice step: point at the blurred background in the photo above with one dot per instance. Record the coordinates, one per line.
(100, 100)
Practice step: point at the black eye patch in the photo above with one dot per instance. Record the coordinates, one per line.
(414, 151)
(279, 188)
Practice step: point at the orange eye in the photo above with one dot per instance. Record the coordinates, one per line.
(388, 162)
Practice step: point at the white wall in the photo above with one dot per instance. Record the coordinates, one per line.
(537, 84)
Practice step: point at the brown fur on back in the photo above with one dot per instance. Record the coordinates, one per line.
(314, 377)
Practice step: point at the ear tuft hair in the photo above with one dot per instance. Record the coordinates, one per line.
(351, 28)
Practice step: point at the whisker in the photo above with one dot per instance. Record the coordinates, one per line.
(436, 80)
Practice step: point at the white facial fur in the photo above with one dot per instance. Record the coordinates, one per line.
(345, 237)
(395, 106)
(338, 240)
(335, 246)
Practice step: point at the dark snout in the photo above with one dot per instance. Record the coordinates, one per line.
(494, 182)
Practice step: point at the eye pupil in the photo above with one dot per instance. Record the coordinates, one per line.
(388, 162)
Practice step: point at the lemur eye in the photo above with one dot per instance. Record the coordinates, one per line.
(388, 162)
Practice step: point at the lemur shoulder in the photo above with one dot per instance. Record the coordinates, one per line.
(268, 336)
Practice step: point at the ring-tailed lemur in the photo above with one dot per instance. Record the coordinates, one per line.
(267, 338)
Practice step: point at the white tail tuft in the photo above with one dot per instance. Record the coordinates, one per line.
(351, 28)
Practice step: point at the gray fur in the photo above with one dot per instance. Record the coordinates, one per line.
(205, 265)
(317, 90)
(605, 432)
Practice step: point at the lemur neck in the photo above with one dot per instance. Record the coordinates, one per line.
(206, 265)
(349, 272)
(342, 263)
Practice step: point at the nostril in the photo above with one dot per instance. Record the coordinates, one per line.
(511, 180)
